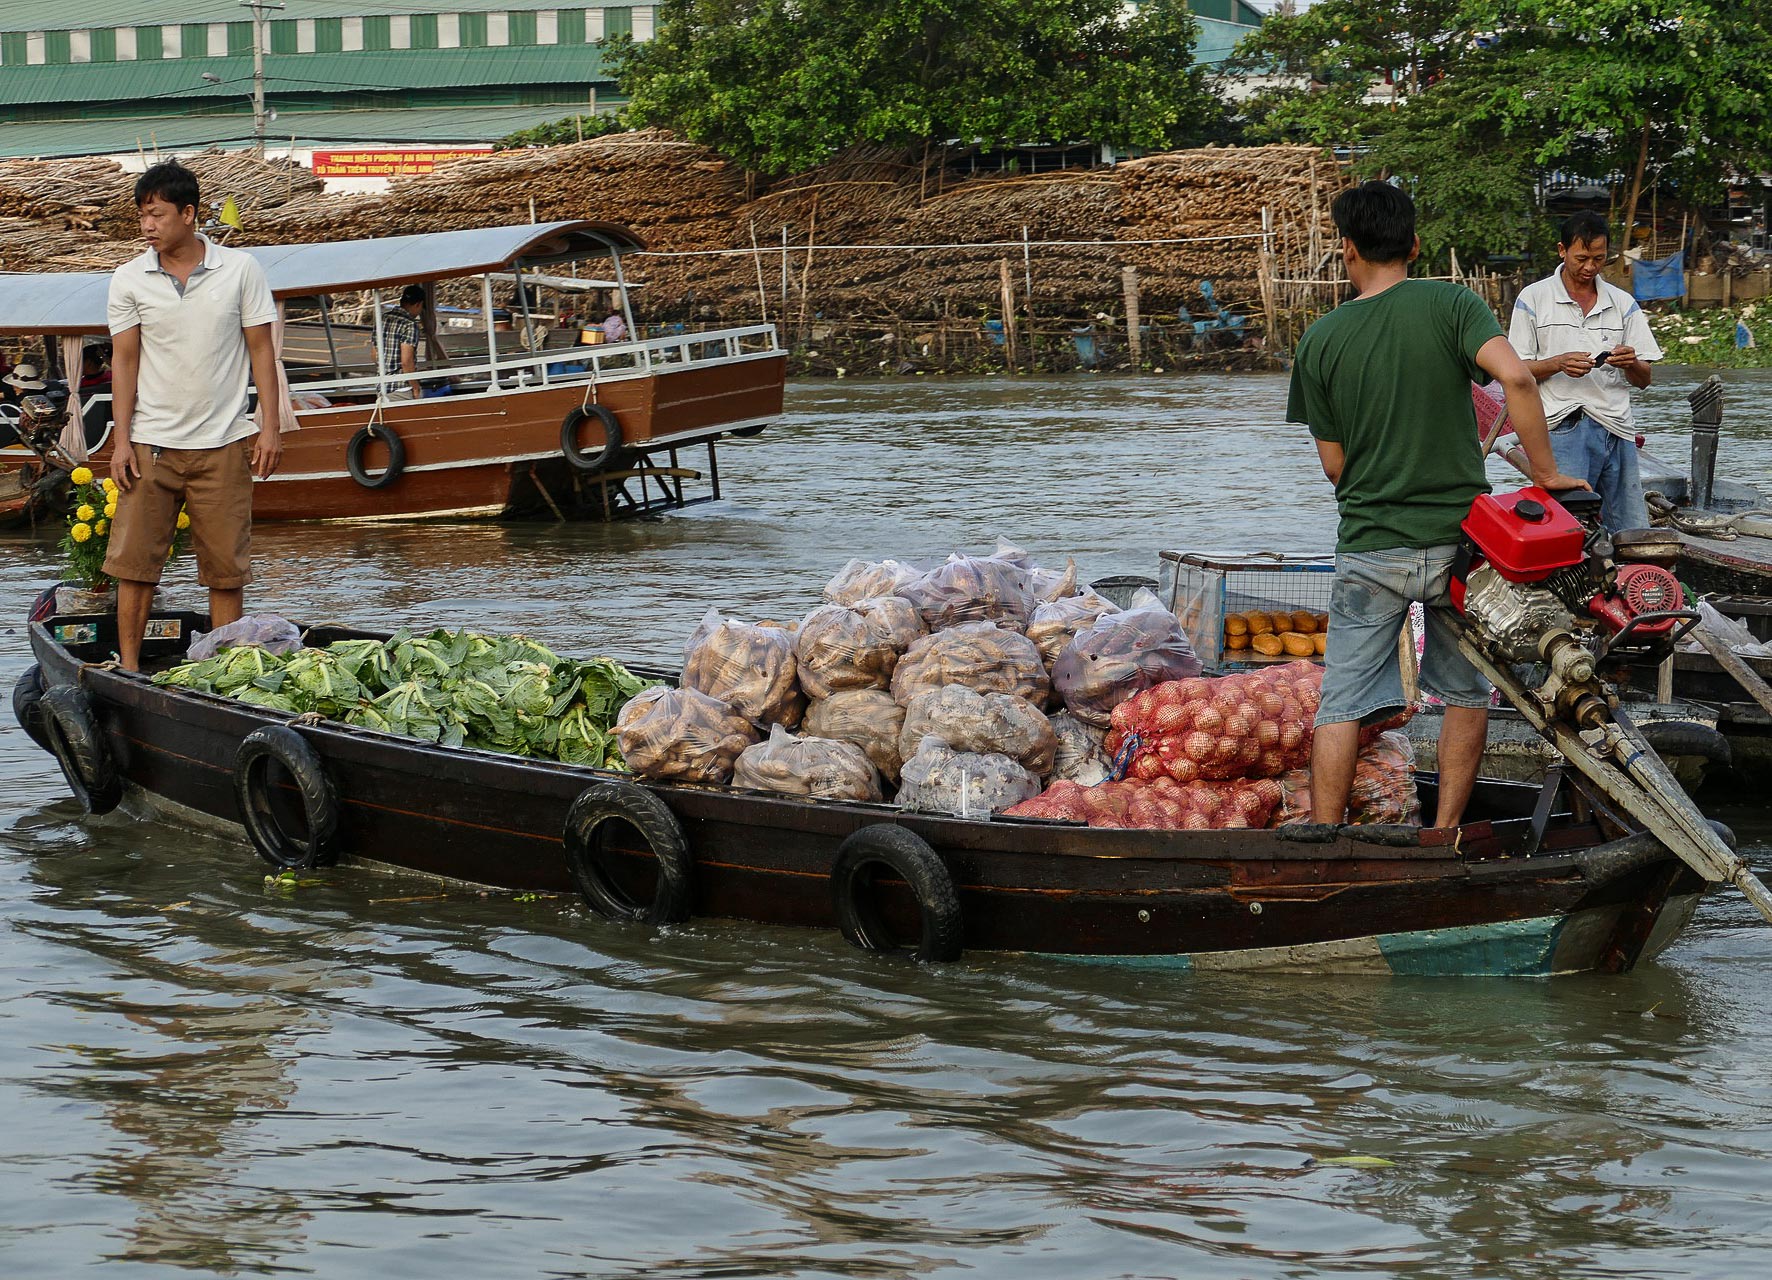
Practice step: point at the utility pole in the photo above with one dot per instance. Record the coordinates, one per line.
(258, 8)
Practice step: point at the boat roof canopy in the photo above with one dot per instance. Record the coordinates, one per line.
(74, 302)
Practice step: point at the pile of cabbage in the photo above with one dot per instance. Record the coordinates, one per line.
(457, 688)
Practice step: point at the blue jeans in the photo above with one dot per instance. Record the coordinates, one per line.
(1587, 451)
(1368, 609)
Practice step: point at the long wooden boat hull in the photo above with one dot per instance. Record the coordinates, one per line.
(1478, 900)
(498, 454)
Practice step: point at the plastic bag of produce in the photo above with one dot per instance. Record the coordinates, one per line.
(866, 579)
(822, 767)
(679, 735)
(1161, 804)
(1048, 585)
(869, 718)
(751, 668)
(979, 655)
(1122, 654)
(1053, 625)
(980, 722)
(1383, 791)
(938, 779)
(1255, 724)
(1080, 757)
(266, 630)
(854, 646)
(972, 589)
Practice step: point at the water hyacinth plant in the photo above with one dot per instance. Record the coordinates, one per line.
(457, 688)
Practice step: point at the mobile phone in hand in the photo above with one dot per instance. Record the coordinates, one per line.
(1600, 358)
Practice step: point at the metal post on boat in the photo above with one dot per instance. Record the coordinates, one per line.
(491, 338)
(528, 320)
(1707, 426)
(381, 355)
(627, 312)
(331, 340)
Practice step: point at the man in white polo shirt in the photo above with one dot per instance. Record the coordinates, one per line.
(1588, 344)
(187, 318)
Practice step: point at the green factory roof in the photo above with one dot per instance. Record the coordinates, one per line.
(57, 15)
(422, 125)
(177, 81)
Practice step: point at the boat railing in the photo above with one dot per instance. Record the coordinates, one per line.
(528, 370)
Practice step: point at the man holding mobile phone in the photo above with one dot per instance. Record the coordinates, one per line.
(1588, 344)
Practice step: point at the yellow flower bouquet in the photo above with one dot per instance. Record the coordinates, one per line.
(91, 508)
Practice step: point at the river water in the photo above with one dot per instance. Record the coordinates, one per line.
(364, 1075)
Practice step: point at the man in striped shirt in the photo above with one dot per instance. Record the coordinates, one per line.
(1588, 344)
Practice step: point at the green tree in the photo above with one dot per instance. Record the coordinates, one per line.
(782, 84)
(1483, 99)
(558, 133)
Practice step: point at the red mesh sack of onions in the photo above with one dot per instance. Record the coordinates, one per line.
(1383, 791)
(1250, 725)
(1161, 804)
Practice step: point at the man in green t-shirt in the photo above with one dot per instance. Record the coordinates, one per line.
(1383, 382)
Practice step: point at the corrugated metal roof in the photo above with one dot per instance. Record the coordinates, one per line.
(57, 15)
(75, 302)
(423, 125)
(180, 80)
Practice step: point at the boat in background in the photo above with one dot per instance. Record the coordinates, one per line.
(513, 416)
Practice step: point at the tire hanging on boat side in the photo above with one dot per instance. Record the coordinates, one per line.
(27, 705)
(79, 746)
(907, 855)
(278, 846)
(590, 822)
(578, 457)
(396, 456)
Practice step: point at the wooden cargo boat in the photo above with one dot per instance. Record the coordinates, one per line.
(531, 419)
(1541, 880)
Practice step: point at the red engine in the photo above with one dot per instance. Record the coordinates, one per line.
(1526, 553)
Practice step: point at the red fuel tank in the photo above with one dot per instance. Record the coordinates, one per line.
(1526, 535)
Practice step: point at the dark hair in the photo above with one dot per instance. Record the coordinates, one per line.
(171, 182)
(1584, 228)
(1378, 218)
(412, 293)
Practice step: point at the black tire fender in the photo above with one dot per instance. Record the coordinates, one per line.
(909, 856)
(1687, 738)
(590, 822)
(579, 458)
(396, 456)
(79, 747)
(27, 705)
(281, 848)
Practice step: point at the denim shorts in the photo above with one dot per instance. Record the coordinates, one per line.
(1368, 610)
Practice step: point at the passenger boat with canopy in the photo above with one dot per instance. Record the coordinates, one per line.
(521, 410)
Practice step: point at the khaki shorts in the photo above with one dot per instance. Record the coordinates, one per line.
(215, 487)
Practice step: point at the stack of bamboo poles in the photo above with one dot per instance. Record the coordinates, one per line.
(27, 244)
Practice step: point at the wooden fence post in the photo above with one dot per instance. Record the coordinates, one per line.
(1008, 312)
(1134, 338)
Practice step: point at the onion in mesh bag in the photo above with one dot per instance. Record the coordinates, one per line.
(750, 667)
(972, 589)
(1080, 756)
(867, 717)
(1254, 724)
(1053, 625)
(979, 655)
(865, 579)
(679, 735)
(938, 779)
(822, 767)
(1383, 789)
(980, 722)
(854, 646)
(1162, 804)
(1123, 654)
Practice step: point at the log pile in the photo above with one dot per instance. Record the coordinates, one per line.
(1222, 192)
(27, 244)
(683, 199)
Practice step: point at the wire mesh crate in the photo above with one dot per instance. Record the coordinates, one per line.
(1209, 592)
